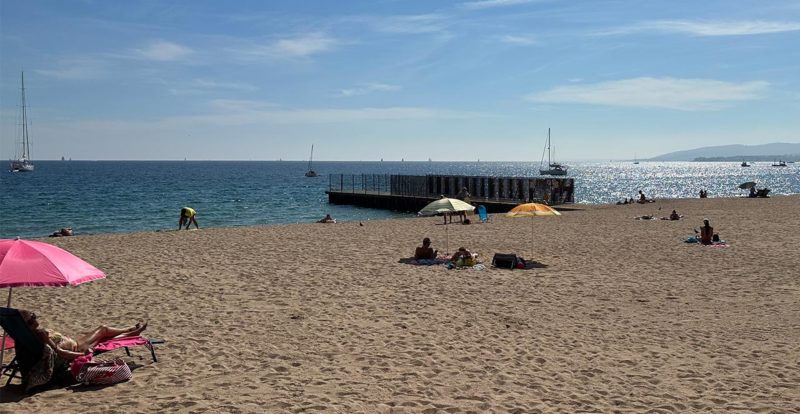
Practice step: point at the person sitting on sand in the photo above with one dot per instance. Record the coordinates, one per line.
(463, 257)
(425, 251)
(674, 215)
(706, 232)
(188, 216)
(642, 198)
(753, 193)
(68, 348)
(327, 219)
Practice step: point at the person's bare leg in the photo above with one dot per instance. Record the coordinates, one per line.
(104, 333)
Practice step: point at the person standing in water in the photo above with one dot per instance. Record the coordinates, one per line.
(188, 216)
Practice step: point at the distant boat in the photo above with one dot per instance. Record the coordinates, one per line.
(745, 164)
(311, 172)
(780, 163)
(553, 168)
(23, 163)
(635, 161)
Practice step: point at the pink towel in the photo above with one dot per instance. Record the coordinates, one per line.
(120, 342)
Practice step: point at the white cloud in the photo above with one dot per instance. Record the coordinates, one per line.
(231, 113)
(518, 40)
(709, 28)
(489, 4)
(304, 45)
(405, 24)
(683, 94)
(76, 69)
(369, 88)
(164, 51)
(298, 47)
(199, 86)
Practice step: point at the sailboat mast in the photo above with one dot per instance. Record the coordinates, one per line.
(26, 150)
(311, 158)
(549, 161)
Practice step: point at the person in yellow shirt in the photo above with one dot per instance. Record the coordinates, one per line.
(188, 216)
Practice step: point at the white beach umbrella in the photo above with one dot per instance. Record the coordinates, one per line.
(446, 206)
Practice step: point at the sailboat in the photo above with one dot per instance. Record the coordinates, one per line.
(311, 172)
(744, 164)
(23, 163)
(553, 168)
(635, 159)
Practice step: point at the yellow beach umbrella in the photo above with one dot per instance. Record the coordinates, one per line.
(532, 210)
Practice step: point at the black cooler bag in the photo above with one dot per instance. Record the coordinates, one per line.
(504, 261)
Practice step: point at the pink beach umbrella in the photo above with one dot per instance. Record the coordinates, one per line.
(32, 263)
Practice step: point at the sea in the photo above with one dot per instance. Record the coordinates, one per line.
(128, 196)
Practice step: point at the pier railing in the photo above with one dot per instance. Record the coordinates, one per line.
(511, 189)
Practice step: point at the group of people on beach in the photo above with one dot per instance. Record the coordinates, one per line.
(462, 257)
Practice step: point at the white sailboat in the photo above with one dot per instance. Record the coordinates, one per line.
(311, 172)
(553, 168)
(23, 162)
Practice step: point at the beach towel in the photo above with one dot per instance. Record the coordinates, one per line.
(422, 262)
(120, 343)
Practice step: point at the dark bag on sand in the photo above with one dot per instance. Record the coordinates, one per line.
(504, 261)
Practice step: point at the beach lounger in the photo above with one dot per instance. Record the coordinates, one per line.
(482, 214)
(28, 347)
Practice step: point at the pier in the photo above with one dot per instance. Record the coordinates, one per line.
(412, 192)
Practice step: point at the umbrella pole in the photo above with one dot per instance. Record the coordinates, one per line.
(447, 240)
(3, 345)
(531, 257)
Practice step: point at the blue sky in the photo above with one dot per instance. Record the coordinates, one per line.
(447, 80)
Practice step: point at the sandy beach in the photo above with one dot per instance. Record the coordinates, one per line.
(622, 317)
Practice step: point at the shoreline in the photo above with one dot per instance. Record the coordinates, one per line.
(569, 207)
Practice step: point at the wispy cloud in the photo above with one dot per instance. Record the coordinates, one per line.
(199, 86)
(250, 112)
(305, 45)
(489, 4)
(405, 24)
(708, 28)
(369, 88)
(163, 51)
(518, 40)
(297, 47)
(671, 93)
(81, 68)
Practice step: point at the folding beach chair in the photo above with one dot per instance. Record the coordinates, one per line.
(28, 347)
(482, 214)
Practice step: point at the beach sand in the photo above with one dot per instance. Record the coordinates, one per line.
(625, 317)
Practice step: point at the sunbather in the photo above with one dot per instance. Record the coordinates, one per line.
(706, 233)
(67, 348)
(674, 215)
(425, 251)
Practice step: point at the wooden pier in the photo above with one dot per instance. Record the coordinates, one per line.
(412, 192)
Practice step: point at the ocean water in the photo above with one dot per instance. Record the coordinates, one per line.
(124, 196)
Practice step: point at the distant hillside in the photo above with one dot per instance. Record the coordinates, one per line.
(788, 151)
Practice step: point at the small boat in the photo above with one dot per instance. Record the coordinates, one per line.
(780, 163)
(311, 172)
(23, 163)
(745, 164)
(635, 160)
(553, 168)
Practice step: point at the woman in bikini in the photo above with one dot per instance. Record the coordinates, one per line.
(67, 348)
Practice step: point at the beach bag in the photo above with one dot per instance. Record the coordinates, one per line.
(504, 261)
(104, 372)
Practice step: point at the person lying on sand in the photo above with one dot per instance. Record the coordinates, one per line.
(425, 251)
(65, 232)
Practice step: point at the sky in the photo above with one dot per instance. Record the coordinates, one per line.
(391, 79)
